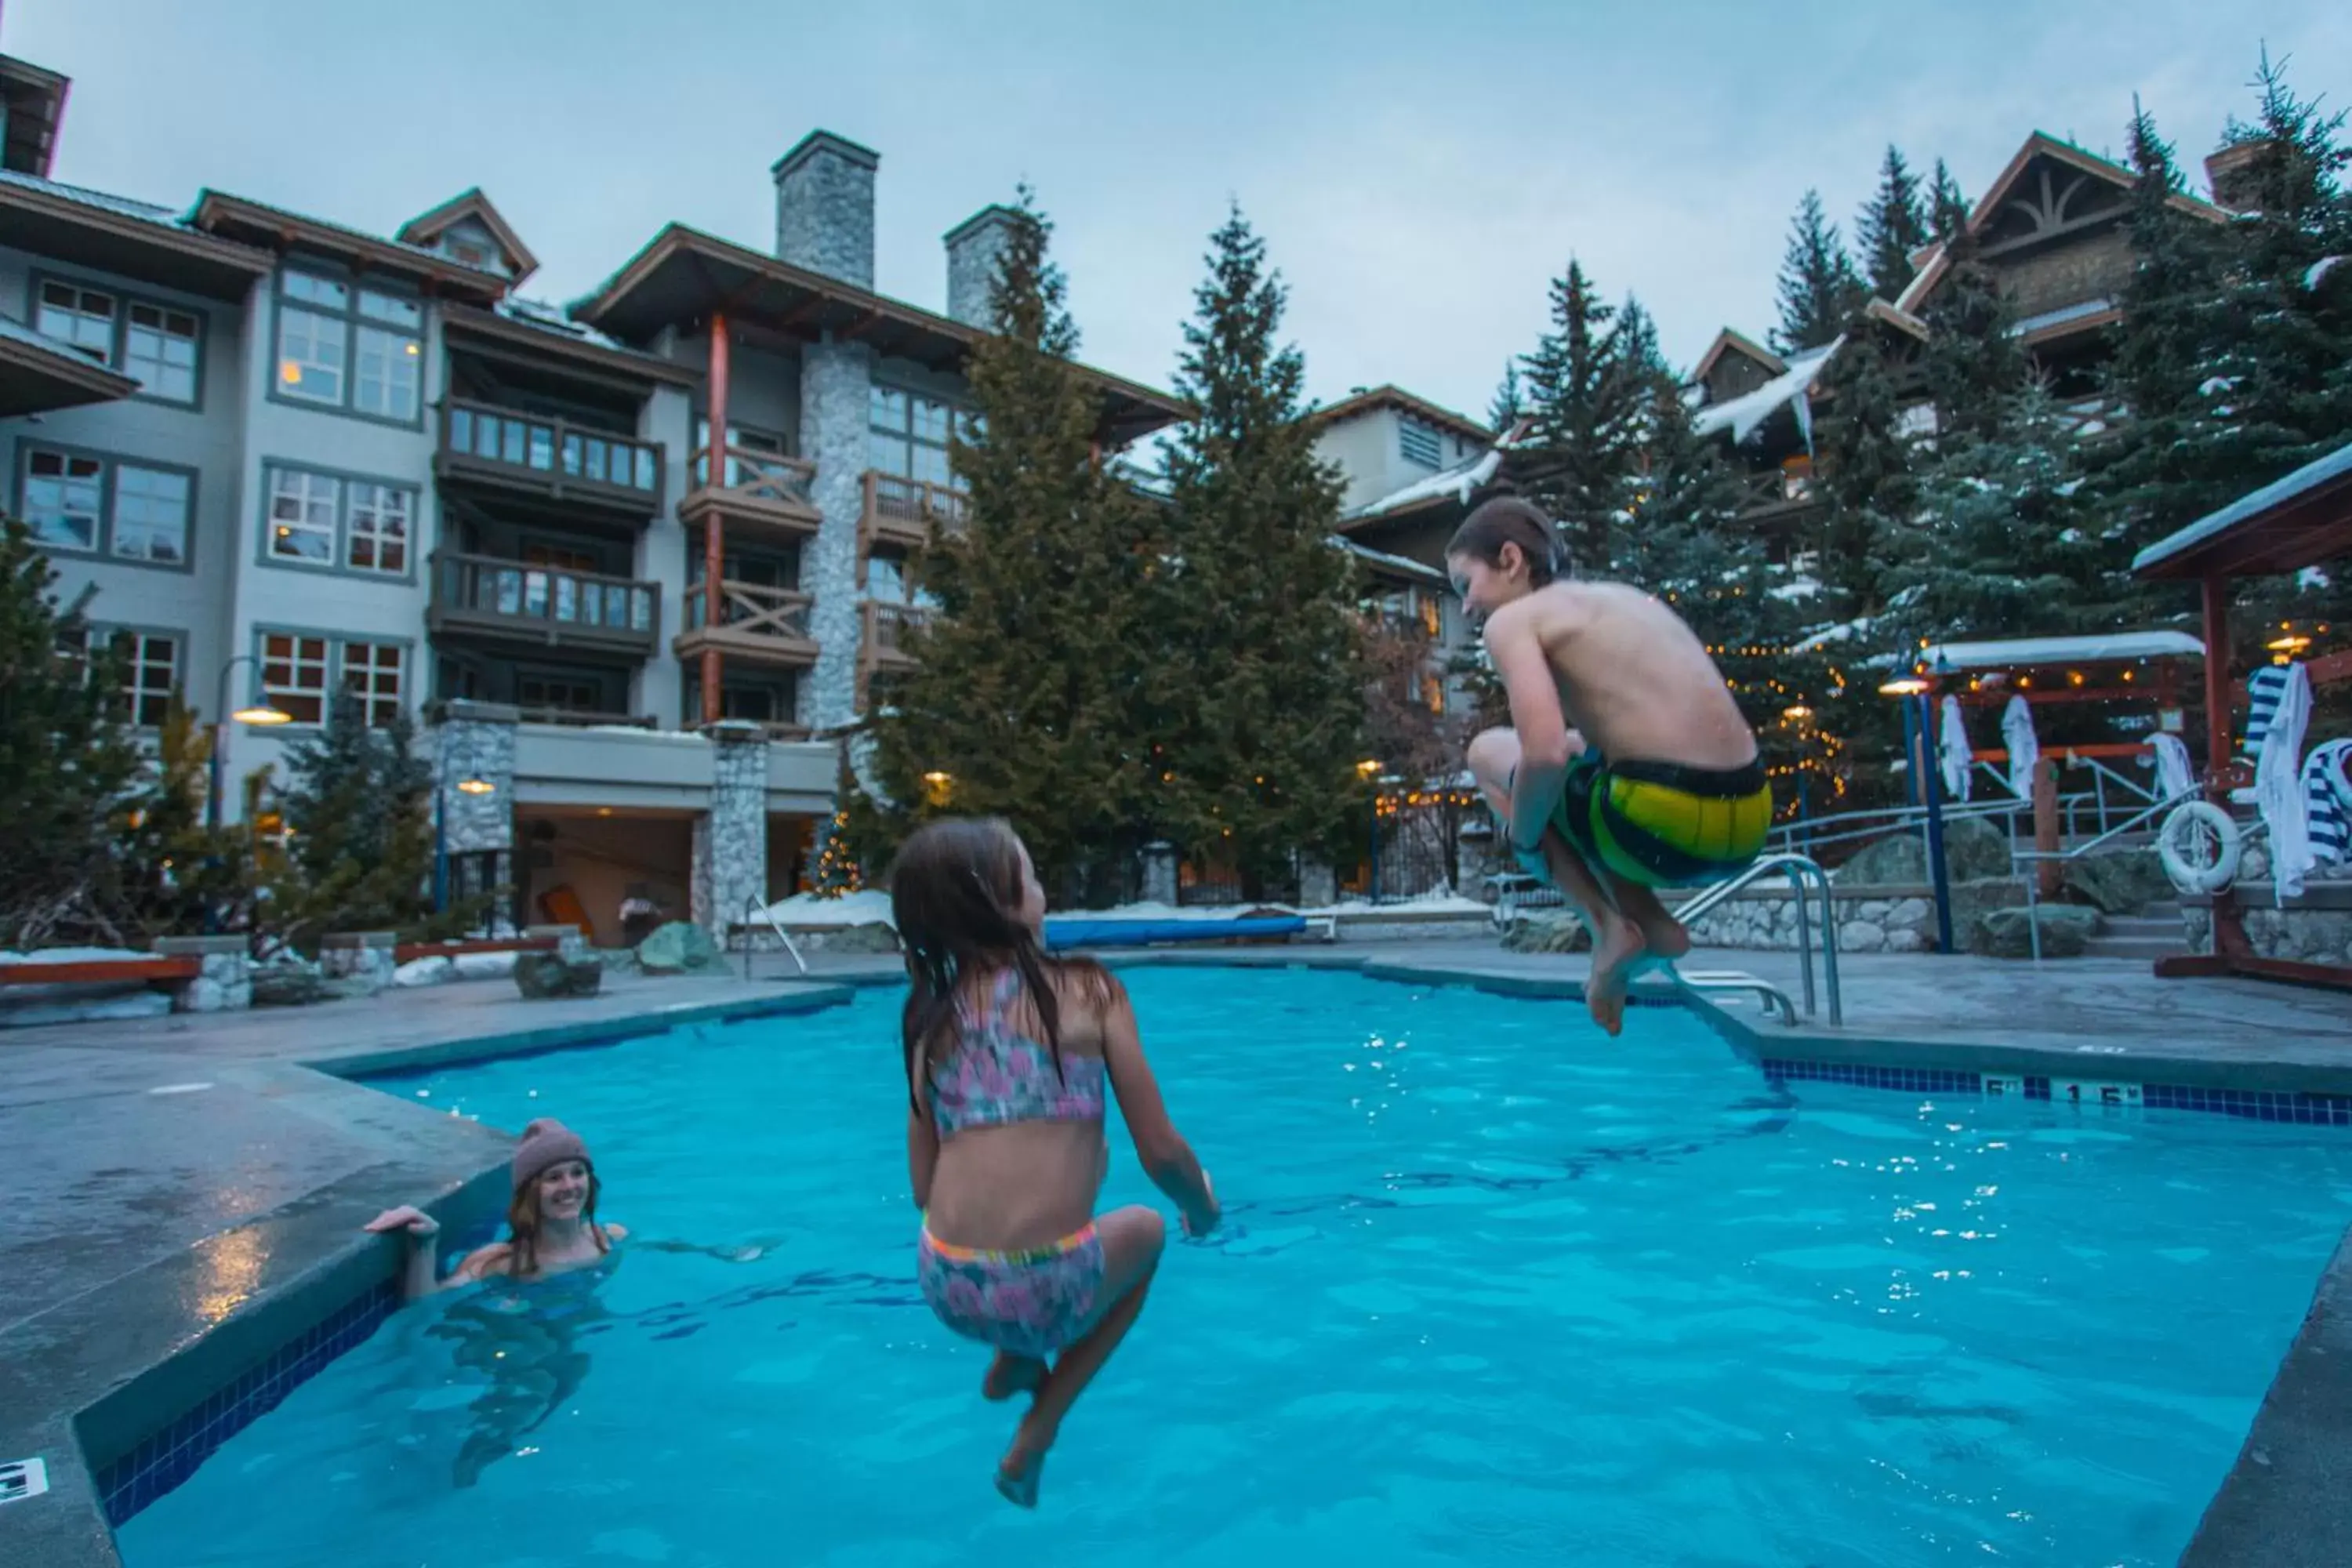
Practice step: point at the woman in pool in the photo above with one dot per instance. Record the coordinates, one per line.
(552, 1225)
(1007, 1052)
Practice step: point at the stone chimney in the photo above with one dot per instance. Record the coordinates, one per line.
(824, 208)
(2232, 171)
(973, 246)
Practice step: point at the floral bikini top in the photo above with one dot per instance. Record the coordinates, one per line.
(995, 1075)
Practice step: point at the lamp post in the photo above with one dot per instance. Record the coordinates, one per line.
(441, 833)
(262, 715)
(1920, 750)
(1369, 770)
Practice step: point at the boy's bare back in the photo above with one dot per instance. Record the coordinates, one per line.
(1635, 679)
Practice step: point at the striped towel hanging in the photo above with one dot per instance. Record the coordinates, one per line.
(2263, 689)
(2330, 825)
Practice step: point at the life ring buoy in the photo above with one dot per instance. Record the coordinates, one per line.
(2181, 845)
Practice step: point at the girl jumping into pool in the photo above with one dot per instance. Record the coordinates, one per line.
(1007, 1052)
(1627, 765)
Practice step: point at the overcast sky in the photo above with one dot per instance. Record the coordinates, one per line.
(1419, 170)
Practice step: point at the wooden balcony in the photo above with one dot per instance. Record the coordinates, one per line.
(758, 624)
(485, 599)
(757, 491)
(523, 453)
(1776, 493)
(903, 512)
(882, 646)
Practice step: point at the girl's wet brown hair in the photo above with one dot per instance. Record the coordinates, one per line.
(1507, 520)
(524, 1222)
(955, 897)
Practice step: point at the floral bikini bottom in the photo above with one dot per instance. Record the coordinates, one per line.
(1032, 1303)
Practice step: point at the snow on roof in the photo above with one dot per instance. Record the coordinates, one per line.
(1742, 414)
(1457, 481)
(2104, 648)
(2309, 477)
(1397, 563)
(541, 316)
(2060, 316)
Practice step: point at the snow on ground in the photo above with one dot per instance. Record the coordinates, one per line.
(73, 955)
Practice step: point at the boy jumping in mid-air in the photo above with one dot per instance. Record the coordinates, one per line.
(1627, 765)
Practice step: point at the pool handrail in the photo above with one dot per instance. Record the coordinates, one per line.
(759, 905)
(1800, 869)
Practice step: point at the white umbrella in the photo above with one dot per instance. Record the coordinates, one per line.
(1957, 759)
(2174, 776)
(2024, 747)
(2278, 785)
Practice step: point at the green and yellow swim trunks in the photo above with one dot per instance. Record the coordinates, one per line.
(1664, 825)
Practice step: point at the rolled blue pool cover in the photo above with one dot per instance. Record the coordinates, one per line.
(1069, 933)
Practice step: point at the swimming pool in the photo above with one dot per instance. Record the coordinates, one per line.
(1493, 1290)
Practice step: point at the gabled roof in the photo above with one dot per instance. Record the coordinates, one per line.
(426, 229)
(1728, 342)
(1743, 415)
(1446, 487)
(276, 228)
(38, 373)
(33, 103)
(683, 274)
(132, 238)
(2303, 519)
(1932, 261)
(1387, 395)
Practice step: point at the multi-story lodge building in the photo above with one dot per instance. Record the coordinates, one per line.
(277, 458)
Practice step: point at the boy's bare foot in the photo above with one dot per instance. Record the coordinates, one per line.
(1615, 947)
(1666, 938)
(1023, 1465)
(1009, 1375)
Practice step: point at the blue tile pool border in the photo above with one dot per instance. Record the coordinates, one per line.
(170, 1455)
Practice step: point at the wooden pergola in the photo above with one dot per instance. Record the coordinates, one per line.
(2302, 521)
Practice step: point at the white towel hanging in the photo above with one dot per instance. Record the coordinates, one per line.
(2278, 785)
(2323, 802)
(1958, 761)
(2175, 776)
(2024, 747)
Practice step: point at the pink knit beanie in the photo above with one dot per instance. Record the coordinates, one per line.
(545, 1143)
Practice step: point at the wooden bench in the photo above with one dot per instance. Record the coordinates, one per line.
(100, 971)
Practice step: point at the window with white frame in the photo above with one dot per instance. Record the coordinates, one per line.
(908, 435)
(147, 664)
(349, 346)
(159, 349)
(87, 503)
(1417, 443)
(377, 538)
(372, 673)
(325, 520)
(65, 499)
(294, 674)
(82, 316)
(300, 669)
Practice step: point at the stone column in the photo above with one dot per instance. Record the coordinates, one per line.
(730, 838)
(477, 741)
(226, 981)
(1318, 889)
(1159, 873)
(836, 379)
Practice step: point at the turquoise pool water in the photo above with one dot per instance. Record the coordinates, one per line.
(1493, 1290)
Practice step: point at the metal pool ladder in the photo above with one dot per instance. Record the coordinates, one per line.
(1805, 878)
(758, 906)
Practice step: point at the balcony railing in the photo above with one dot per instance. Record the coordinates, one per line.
(513, 448)
(905, 512)
(759, 488)
(755, 621)
(886, 626)
(1776, 491)
(517, 601)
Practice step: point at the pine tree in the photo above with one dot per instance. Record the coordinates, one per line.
(832, 869)
(1974, 363)
(1819, 286)
(358, 805)
(1265, 700)
(1893, 226)
(1584, 407)
(1025, 701)
(179, 877)
(1947, 208)
(70, 766)
(1864, 472)
(1505, 409)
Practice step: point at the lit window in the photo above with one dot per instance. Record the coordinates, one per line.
(1432, 693)
(372, 673)
(311, 352)
(151, 514)
(378, 537)
(350, 347)
(82, 316)
(303, 508)
(64, 498)
(294, 676)
(384, 376)
(158, 351)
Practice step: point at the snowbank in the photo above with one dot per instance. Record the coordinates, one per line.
(804, 911)
(75, 955)
(808, 911)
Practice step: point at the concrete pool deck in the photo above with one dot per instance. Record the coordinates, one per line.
(180, 1196)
